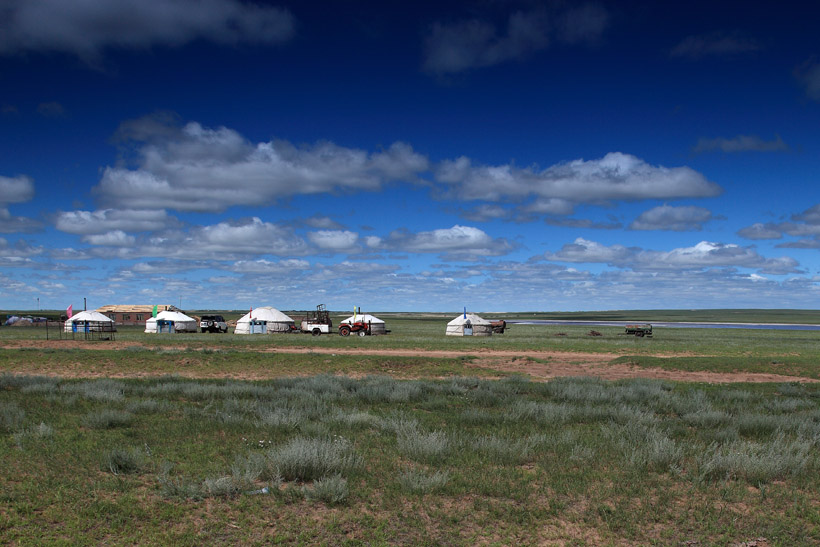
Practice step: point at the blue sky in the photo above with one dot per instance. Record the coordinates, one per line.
(503, 156)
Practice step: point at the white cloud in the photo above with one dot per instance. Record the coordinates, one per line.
(87, 28)
(199, 169)
(323, 223)
(703, 255)
(586, 251)
(805, 224)
(741, 143)
(334, 240)
(267, 267)
(16, 189)
(21, 248)
(114, 238)
(456, 243)
(10, 224)
(475, 43)
(676, 219)
(759, 230)
(106, 220)
(616, 176)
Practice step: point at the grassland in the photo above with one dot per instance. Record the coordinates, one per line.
(180, 441)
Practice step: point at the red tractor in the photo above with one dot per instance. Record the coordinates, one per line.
(358, 327)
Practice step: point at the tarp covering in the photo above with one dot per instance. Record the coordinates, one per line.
(377, 326)
(263, 320)
(171, 321)
(469, 324)
(92, 319)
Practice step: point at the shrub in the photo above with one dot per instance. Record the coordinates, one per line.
(42, 431)
(221, 487)
(107, 419)
(310, 459)
(180, 488)
(430, 447)
(281, 417)
(247, 470)
(421, 482)
(97, 390)
(756, 462)
(121, 461)
(11, 416)
(503, 451)
(331, 490)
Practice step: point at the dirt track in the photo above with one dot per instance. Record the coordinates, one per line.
(539, 365)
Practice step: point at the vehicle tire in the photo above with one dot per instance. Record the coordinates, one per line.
(316, 332)
(344, 331)
(203, 329)
(362, 332)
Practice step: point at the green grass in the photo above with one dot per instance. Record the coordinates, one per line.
(575, 461)
(369, 449)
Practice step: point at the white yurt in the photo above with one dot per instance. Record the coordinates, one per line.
(171, 321)
(469, 324)
(376, 325)
(264, 320)
(89, 321)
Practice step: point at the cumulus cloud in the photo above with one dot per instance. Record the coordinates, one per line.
(334, 240)
(20, 249)
(558, 188)
(803, 225)
(86, 29)
(323, 223)
(11, 224)
(194, 168)
(16, 189)
(267, 267)
(741, 143)
(676, 219)
(114, 238)
(703, 255)
(456, 243)
(475, 43)
(229, 240)
(107, 220)
(759, 231)
(716, 44)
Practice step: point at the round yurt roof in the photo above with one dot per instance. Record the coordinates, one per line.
(471, 317)
(175, 316)
(93, 316)
(366, 317)
(265, 313)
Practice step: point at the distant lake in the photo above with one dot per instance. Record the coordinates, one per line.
(673, 325)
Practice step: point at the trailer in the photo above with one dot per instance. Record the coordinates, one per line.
(639, 330)
(316, 322)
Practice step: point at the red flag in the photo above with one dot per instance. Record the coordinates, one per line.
(70, 311)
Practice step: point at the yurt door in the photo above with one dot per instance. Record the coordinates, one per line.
(259, 327)
(468, 328)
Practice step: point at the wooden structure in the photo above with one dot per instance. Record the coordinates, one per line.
(133, 314)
